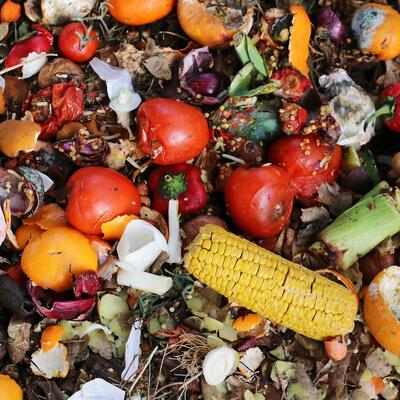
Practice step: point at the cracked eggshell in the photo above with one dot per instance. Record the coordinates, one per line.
(50, 364)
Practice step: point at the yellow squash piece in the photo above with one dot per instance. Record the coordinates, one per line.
(282, 291)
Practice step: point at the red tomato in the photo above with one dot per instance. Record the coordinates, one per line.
(97, 195)
(171, 132)
(309, 161)
(259, 200)
(77, 42)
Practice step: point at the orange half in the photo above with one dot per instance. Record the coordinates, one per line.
(52, 260)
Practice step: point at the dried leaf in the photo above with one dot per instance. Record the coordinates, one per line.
(334, 199)
(377, 363)
(19, 333)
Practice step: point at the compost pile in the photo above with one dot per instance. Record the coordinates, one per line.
(199, 199)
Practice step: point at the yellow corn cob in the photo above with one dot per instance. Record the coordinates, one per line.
(280, 290)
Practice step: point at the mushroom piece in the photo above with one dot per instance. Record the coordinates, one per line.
(17, 136)
(55, 12)
(60, 70)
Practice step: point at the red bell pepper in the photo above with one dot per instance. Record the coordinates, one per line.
(39, 43)
(293, 84)
(182, 182)
(293, 118)
(67, 103)
(391, 107)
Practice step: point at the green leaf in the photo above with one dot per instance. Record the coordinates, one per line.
(255, 57)
(242, 80)
(240, 43)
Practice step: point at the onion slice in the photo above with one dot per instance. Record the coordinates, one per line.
(174, 242)
(32, 64)
(98, 389)
(132, 349)
(157, 284)
(140, 245)
(218, 364)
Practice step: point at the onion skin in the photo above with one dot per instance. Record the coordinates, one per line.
(87, 283)
(206, 84)
(326, 18)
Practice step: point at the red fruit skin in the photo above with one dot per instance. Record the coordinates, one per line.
(293, 83)
(171, 132)
(259, 200)
(97, 195)
(393, 123)
(39, 43)
(193, 199)
(309, 162)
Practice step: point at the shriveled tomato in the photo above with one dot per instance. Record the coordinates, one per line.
(309, 161)
(78, 42)
(97, 195)
(259, 200)
(171, 132)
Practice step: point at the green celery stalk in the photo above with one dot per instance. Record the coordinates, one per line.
(359, 229)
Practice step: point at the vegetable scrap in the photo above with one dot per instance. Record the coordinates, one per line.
(199, 199)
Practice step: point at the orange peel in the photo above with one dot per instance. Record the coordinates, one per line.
(300, 35)
(48, 216)
(51, 336)
(113, 230)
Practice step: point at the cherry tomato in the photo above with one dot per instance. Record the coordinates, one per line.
(309, 161)
(97, 195)
(259, 200)
(171, 132)
(77, 42)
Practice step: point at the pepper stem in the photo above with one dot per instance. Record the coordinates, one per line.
(387, 109)
(172, 185)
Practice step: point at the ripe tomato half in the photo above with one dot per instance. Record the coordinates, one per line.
(171, 132)
(97, 195)
(309, 161)
(259, 200)
(77, 42)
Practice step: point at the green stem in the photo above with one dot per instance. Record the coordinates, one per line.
(387, 109)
